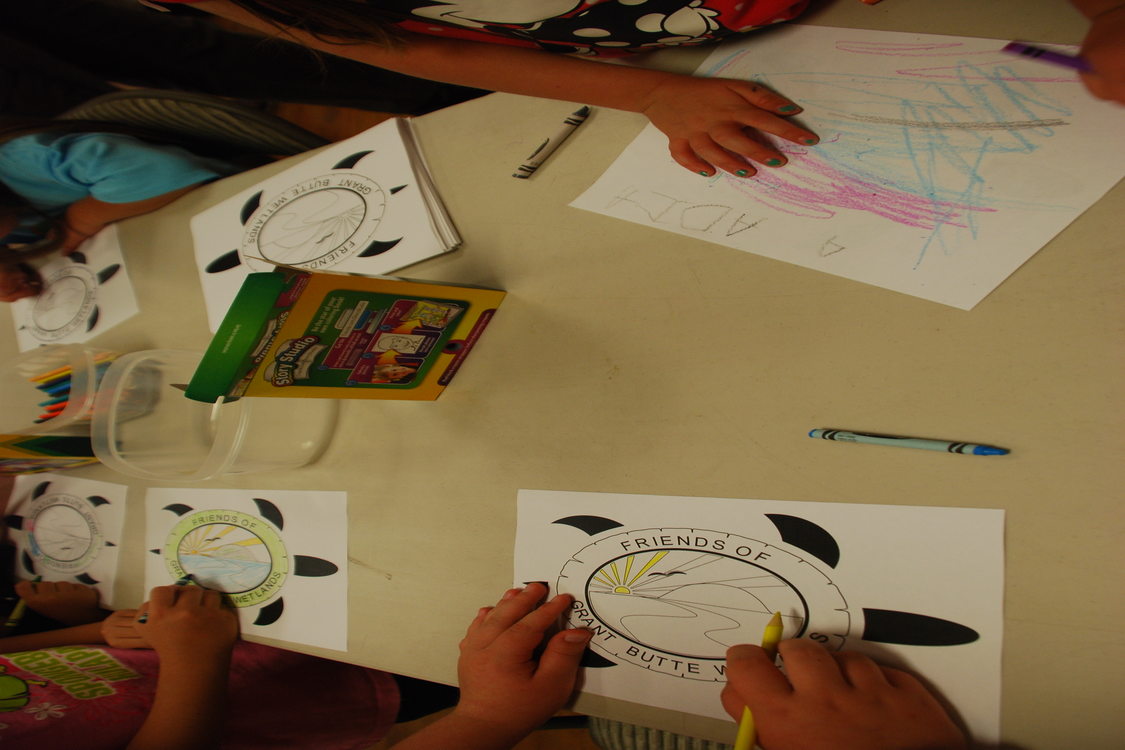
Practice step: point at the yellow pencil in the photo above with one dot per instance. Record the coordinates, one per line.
(747, 734)
(51, 374)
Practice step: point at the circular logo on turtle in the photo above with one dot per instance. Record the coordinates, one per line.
(66, 303)
(317, 223)
(673, 600)
(63, 534)
(230, 551)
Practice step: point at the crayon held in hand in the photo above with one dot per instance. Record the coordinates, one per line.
(182, 582)
(747, 732)
(1048, 56)
(16, 615)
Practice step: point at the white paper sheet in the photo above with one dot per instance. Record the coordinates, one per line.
(668, 583)
(280, 556)
(66, 528)
(365, 205)
(943, 164)
(84, 294)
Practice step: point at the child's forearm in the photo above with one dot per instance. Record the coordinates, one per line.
(89, 216)
(493, 67)
(187, 711)
(73, 636)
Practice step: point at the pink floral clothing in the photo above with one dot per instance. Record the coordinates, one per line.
(590, 27)
(95, 697)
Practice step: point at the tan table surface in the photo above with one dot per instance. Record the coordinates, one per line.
(630, 360)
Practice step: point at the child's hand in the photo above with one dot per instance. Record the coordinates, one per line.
(843, 701)
(119, 631)
(66, 602)
(503, 686)
(710, 121)
(188, 622)
(19, 281)
(1104, 49)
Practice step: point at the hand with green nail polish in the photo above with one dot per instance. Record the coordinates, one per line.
(720, 123)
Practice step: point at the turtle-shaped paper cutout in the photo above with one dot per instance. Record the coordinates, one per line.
(319, 222)
(69, 300)
(63, 537)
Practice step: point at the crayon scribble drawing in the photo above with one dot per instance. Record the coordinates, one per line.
(667, 584)
(943, 164)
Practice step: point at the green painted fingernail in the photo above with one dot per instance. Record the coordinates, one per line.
(773, 162)
(789, 108)
(809, 141)
(742, 173)
(705, 174)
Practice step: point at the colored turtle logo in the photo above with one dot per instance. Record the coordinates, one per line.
(238, 553)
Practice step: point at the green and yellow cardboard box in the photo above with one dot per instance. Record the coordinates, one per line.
(296, 333)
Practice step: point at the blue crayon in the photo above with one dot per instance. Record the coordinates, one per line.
(58, 388)
(945, 446)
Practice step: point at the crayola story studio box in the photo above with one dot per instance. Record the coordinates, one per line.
(297, 333)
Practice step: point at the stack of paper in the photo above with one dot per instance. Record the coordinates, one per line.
(366, 205)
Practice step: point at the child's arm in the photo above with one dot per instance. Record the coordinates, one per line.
(193, 633)
(88, 216)
(506, 692)
(704, 118)
(73, 636)
(1104, 47)
(843, 701)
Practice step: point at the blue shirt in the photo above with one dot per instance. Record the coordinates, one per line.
(53, 170)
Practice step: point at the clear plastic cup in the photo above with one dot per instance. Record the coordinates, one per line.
(60, 373)
(144, 425)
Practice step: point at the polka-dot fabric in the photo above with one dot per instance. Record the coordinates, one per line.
(589, 27)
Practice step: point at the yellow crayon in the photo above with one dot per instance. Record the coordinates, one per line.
(16, 615)
(747, 734)
(772, 636)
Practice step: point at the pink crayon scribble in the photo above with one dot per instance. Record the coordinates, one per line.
(948, 49)
(957, 73)
(811, 187)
